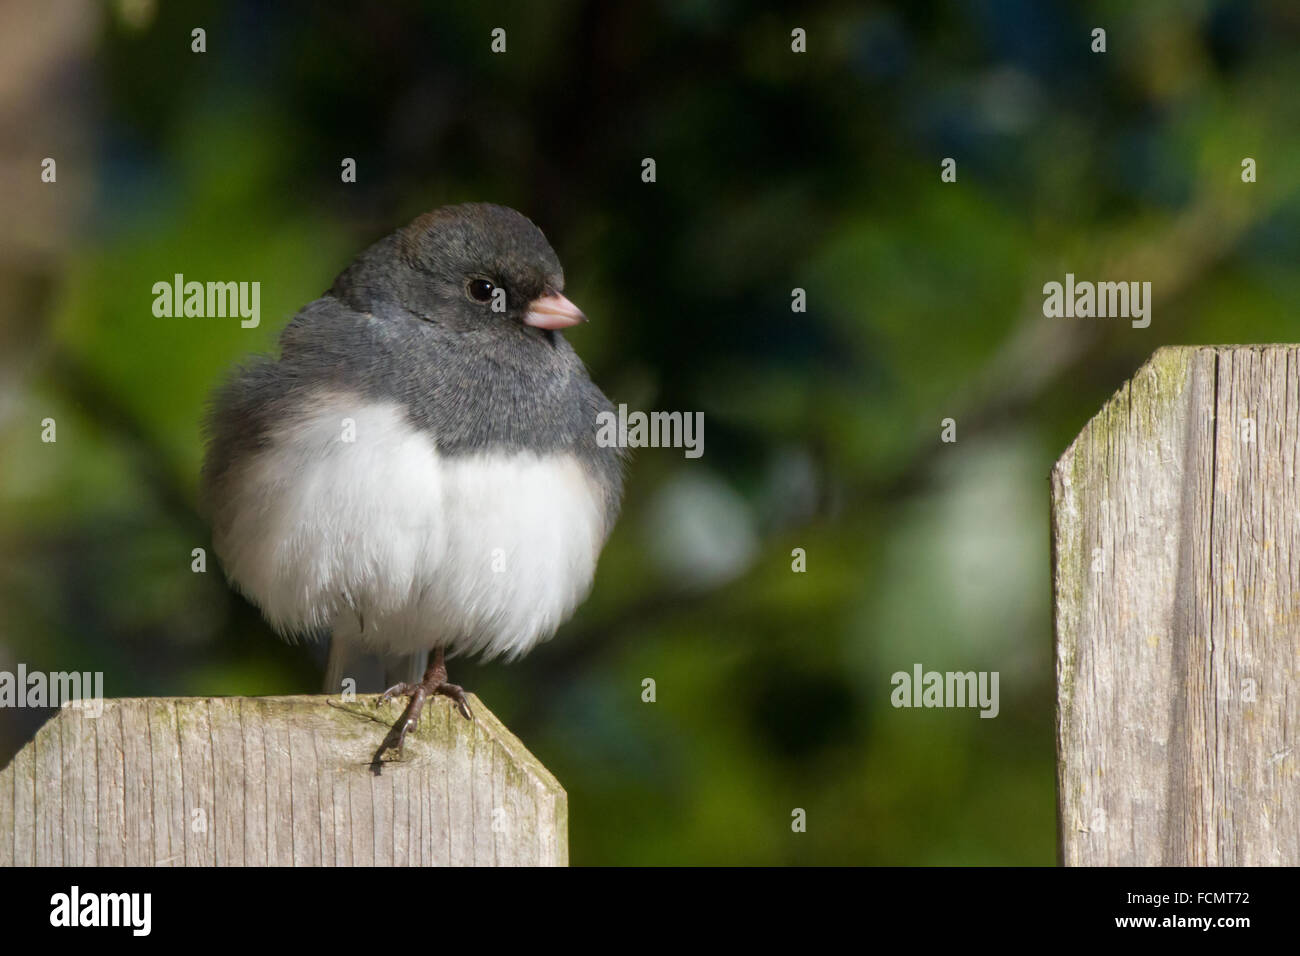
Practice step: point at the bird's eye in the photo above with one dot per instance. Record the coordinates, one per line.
(480, 290)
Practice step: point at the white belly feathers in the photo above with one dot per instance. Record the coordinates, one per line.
(351, 519)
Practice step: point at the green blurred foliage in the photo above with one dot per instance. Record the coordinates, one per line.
(775, 171)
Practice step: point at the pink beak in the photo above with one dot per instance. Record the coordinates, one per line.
(553, 312)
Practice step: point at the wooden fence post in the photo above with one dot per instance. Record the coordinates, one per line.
(276, 781)
(1176, 580)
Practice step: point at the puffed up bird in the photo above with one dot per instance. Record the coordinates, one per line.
(418, 470)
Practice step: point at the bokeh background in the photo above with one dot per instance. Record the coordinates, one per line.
(775, 171)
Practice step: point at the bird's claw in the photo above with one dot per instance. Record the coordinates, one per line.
(397, 690)
(458, 695)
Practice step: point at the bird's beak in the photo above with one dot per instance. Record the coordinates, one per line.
(553, 311)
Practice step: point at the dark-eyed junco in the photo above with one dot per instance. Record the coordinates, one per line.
(419, 469)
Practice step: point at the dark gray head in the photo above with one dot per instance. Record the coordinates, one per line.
(475, 269)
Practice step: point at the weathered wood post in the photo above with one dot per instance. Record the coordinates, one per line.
(276, 781)
(1176, 579)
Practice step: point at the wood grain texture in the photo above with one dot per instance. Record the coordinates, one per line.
(280, 781)
(1176, 600)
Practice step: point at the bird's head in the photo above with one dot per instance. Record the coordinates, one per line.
(481, 267)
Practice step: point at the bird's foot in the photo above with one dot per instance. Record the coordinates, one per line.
(434, 683)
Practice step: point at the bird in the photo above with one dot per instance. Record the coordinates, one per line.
(418, 471)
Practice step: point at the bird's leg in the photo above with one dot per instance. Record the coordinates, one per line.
(434, 683)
